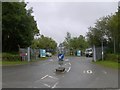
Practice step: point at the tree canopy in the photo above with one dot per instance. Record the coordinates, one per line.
(44, 43)
(106, 30)
(18, 26)
(75, 43)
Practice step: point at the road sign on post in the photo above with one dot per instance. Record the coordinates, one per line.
(28, 54)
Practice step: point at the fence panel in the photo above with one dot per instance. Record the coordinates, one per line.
(99, 52)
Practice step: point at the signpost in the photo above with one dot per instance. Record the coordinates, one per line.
(60, 62)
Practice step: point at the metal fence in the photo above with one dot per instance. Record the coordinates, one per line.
(97, 54)
(24, 53)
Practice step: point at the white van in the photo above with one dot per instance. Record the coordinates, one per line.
(89, 52)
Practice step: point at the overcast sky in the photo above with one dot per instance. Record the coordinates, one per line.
(54, 19)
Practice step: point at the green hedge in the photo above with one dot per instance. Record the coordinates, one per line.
(112, 57)
(10, 57)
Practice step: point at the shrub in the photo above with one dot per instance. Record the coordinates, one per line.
(10, 57)
(112, 57)
(119, 58)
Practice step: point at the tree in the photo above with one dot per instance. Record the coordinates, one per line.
(113, 30)
(44, 43)
(118, 28)
(75, 43)
(100, 32)
(78, 43)
(18, 26)
(0, 26)
(67, 40)
(106, 31)
(94, 37)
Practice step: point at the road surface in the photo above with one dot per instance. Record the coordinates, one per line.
(80, 73)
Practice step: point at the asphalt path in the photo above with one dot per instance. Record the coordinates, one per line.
(80, 72)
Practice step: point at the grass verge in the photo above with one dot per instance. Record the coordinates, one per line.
(11, 63)
(108, 63)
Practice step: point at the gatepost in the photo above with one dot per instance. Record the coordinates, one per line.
(28, 54)
(94, 53)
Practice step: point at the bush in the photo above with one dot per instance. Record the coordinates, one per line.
(112, 57)
(119, 58)
(10, 57)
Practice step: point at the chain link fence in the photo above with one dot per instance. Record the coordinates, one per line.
(98, 52)
(34, 53)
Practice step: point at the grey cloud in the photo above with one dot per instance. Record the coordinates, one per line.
(54, 19)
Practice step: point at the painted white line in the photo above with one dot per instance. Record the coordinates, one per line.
(44, 77)
(47, 85)
(69, 69)
(69, 63)
(55, 85)
(52, 77)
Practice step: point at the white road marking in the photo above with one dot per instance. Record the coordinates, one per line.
(89, 71)
(55, 85)
(69, 63)
(44, 77)
(69, 69)
(52, 77)
(47, 85)
(104, 72)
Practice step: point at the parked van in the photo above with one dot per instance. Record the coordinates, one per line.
(89, 52)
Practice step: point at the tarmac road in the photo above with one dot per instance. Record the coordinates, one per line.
(80, 73)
